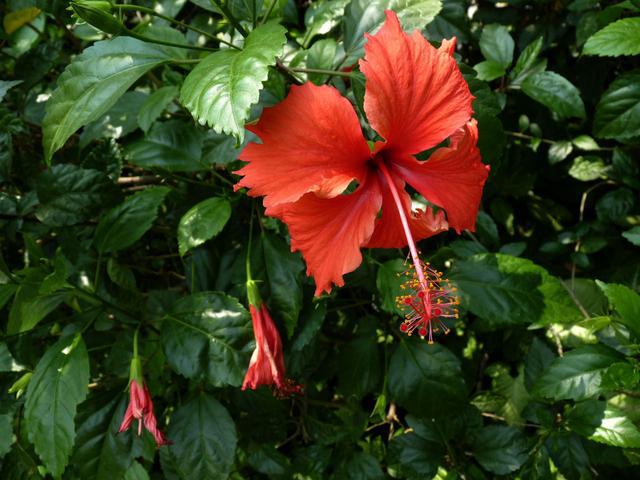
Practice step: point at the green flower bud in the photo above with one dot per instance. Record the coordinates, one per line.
(97, 13)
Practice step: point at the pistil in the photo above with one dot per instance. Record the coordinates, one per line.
(429, 297)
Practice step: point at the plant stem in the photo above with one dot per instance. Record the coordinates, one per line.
(151, 11)
(169, 44)
(269, 10)
(321, 71)
(232, 20)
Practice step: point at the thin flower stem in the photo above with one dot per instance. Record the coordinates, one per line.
(524, 136)
(269, 10)
(232, 20)
(321, 71)
(151, 11)
(405, 224)
(169, 44)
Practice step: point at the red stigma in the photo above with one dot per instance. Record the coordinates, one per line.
(427, 302)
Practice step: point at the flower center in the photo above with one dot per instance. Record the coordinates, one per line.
(429, 297)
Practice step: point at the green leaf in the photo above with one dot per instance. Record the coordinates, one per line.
(425, 379)
(154, 105)
(568, 454)
(123, 225)
(577, 375)
(173, 145)
(7, 361)
(617, 38)
(615, 205)
(283, 275)
(585, 142)
(587, 168)
(360, 362)
(626, 303)
(321, 17)
(6, 85)
(362, 16)
(414, 14)
(6, 433)
(389, 282)
(29, 305)
(556, 93)
(119, 121)
(503, 290)
(489, 70)
(120, 274)
(220, 90)
(361, 466)
(206, 336)
(58, 385)
(538, 359)
(616, 430)
(69, 194)
(93, 82)
(101, 452)
(526, 61)
(507, 397)
(321, 56)
(497, 45)
(633, 235)
(136, 472)
(203, 439)
(202, 222)
(500, 449)
(618, 111)
(417, 454)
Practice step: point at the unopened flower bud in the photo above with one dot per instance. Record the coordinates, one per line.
(98, 13)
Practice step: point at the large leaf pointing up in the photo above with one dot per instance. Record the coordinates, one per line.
(58, 385)
(93, 82)
(223, 86)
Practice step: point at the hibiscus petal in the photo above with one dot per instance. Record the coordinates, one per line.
(389, 232)
(311, 142)
(415, 94)
(452, 178)
(330, 232)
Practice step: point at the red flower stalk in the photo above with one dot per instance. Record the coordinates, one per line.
(267, 362)
(141, 408)
(313, 150)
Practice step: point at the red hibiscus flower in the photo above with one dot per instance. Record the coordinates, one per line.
(141, 408)
(313, 149)
(267, 362)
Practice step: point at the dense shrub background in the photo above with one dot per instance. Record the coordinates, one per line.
(134, 224)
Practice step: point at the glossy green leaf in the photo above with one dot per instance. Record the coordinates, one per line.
(556, 93)
(154, 105)
(173, 145)
(504, 290)
(204, 440)
(69, 194)
(93, 82)
(626, 303)
(489, 70)
(526, 61)
(101, 452)
(618, 38)
(389, 284)
(202, 222)
(321, 17)
(425, 379)
(6, 85)
(206, 336)
(618, 111)
(220, 90)
(500, 449)
(283, 276)
(415, 454)
(577, 375)
(362, 16)
(633, 235)
(321, 56)
(588, 168)
(124, 224)
(29, 306)
(497, 45)
(58, 385)
(616, 430)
